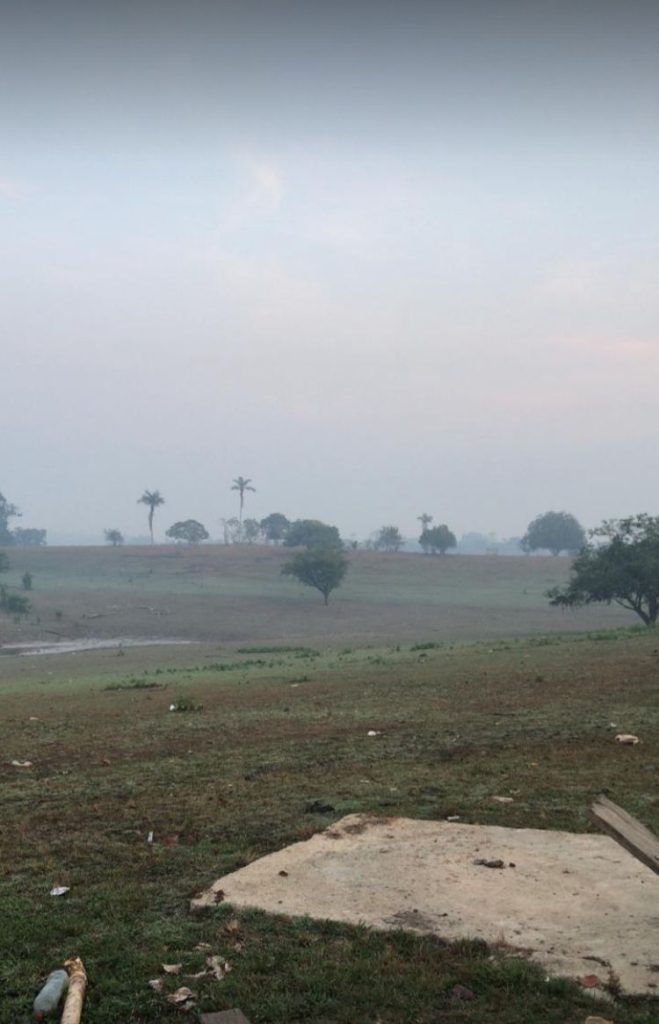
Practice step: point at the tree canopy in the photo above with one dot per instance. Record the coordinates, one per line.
(28, 537)
(622, 568)
(321, 568)
(438, 539)
(555, 532)
(189, 530)
(114, 537)
(152, 499)
(311, 533)
(7, 512)
(389, 538)
(274, 527)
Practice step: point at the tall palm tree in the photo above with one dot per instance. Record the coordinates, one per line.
(152, 499)
(425, 521)
(242, 484)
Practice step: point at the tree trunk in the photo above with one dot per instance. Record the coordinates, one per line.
(151, 524)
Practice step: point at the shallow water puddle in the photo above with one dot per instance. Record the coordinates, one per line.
(34, 647)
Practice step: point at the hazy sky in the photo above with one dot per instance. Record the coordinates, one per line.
(383, 258)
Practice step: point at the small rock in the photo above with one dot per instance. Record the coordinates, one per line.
(597, 1020)
(283, 874)
(627, 739)
(503, 799)
(462, 992)
(483, 863)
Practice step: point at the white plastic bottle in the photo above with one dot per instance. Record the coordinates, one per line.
(48, 999)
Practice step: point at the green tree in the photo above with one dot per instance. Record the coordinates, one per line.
(114, 537)
(274, 527)
(438, 539)
(28, 537)
(322, 568)
(153, 499)
(555, 532)
(622, 568)
(311, 533)
(7, 512)
(242, 484)
(251, 530)
(189, 530)
(389, 538)
(425, 521)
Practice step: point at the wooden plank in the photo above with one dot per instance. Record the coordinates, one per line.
(224, 1017)
(627, 831)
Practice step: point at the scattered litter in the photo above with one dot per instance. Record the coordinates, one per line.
(218, 967)
(59, 890)
(185, 704)
(597, 1020)
(33, 718)
(204, 947)
(627, 739)
(183, 997)
(373, 732)
(318, 807)
(50, 995)
(590, 981)
(482, 862)
(156, 984)
(462, 992)
(149, 838)
(172, 968)
(503, 799)
(22, 764)
(453, 817)
(613, 725)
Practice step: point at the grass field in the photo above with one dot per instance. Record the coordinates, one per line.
(463, 716)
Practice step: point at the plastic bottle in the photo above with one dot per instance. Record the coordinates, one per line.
(48, 999)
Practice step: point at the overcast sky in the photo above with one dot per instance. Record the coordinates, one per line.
(383, 258)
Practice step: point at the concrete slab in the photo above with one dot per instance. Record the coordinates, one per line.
(577, 903)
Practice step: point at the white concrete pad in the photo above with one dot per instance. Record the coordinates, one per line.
(576, 903)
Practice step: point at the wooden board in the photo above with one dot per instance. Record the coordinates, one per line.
(627, 831)
(224, 1017)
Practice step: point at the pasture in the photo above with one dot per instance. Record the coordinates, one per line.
(476, 687)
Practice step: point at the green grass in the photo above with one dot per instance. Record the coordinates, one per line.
(459, 723)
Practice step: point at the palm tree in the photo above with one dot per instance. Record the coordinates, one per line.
(242, 484)
(152, 499)
(425, 521)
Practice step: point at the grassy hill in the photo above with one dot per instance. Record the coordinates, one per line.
(237, 594)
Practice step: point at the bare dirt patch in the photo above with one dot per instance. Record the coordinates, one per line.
(578, 904)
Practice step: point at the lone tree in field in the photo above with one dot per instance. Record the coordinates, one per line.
(322, 568)
(389, 538)
(622, 569)
(189, 530)
(242, 484)
(7, 512)
(114, 537)
(439, 539)
(425, 521)
(274, 527)
(311, 533)
(153, 499)
(555, 532)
